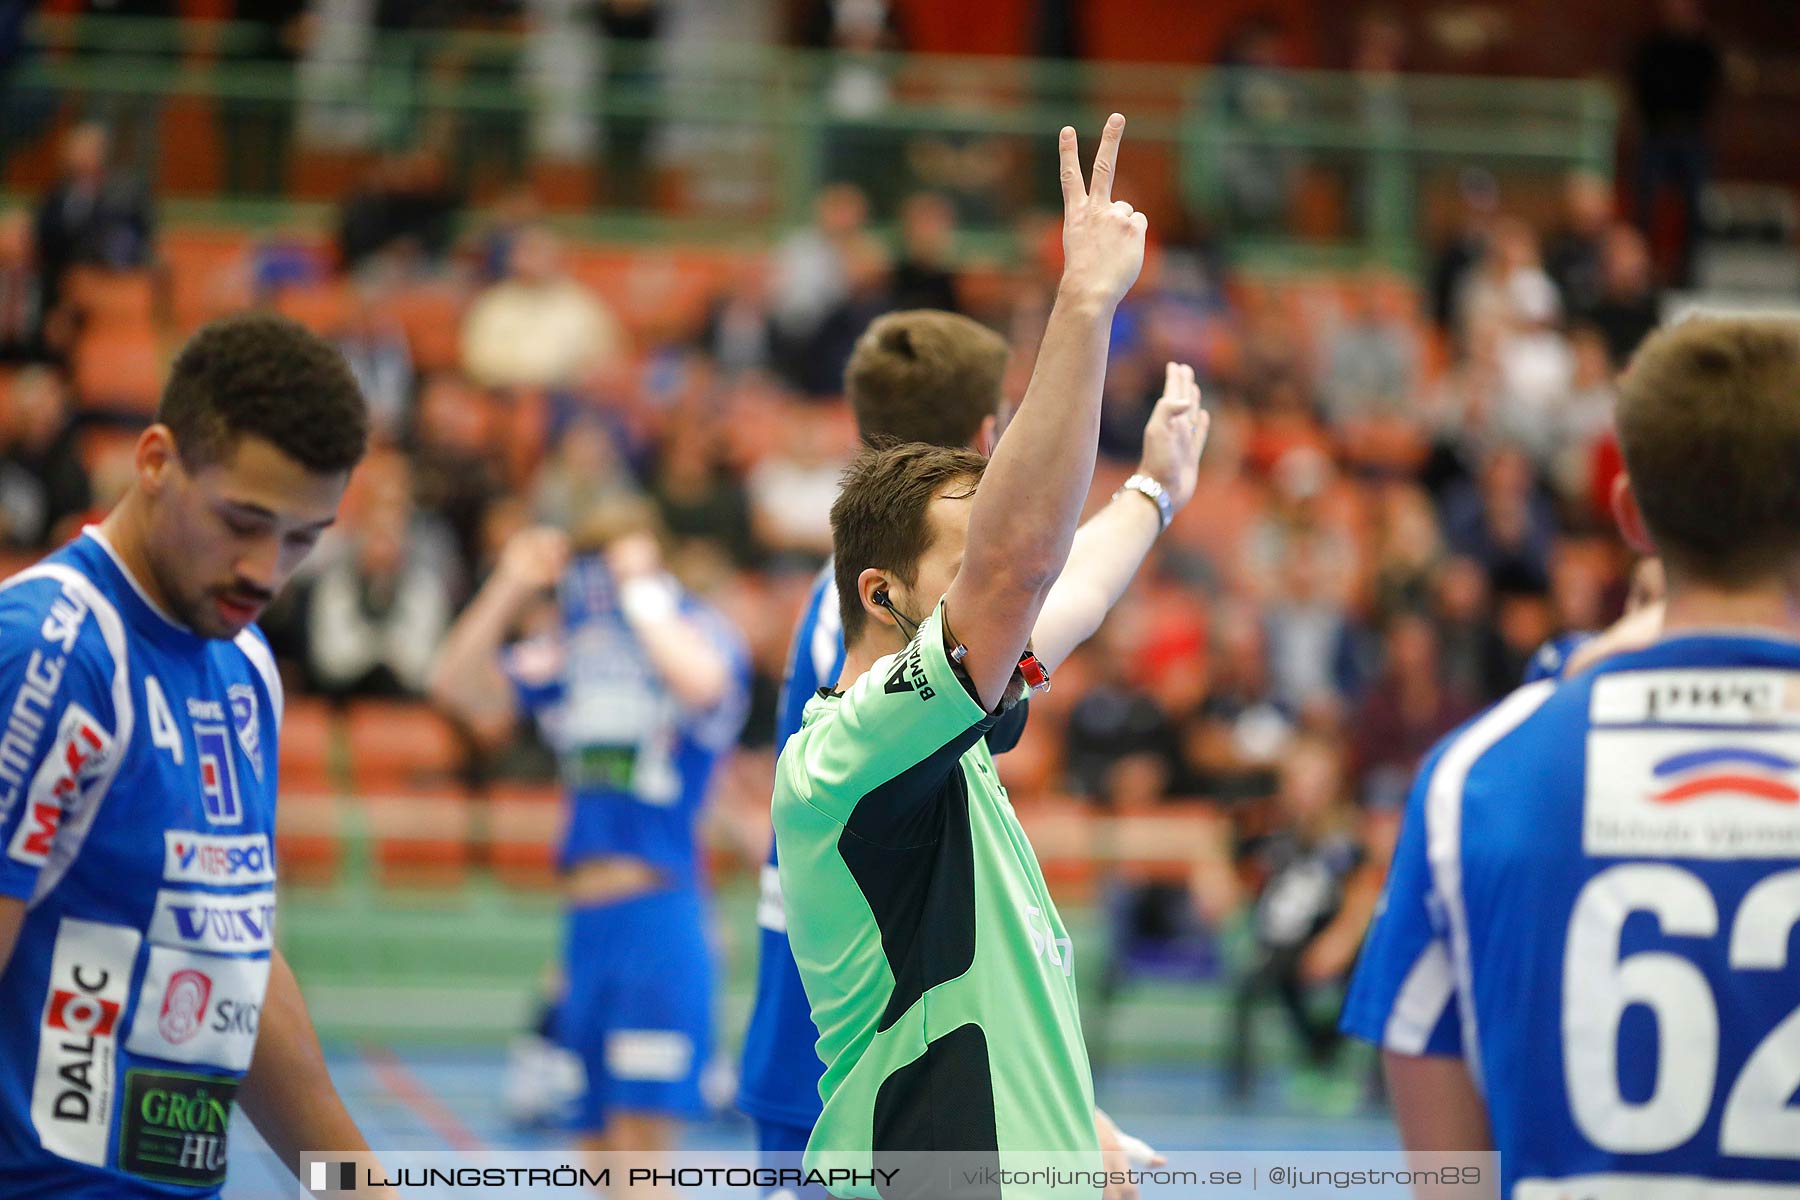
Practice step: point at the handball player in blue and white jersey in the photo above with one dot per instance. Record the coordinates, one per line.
(935, 377)
(1584, 953)
(141, 992)
(641, 689)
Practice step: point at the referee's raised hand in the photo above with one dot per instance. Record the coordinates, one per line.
(1103, 238)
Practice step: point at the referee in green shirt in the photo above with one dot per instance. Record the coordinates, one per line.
(940, 975)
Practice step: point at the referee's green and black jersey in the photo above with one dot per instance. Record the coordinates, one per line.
(940, 975)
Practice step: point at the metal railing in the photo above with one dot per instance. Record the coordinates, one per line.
(685, 141)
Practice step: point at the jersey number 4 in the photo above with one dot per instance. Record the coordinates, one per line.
(1598, 986)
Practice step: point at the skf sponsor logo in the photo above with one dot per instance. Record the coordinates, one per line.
(1685, 793)
(184, 1005)
(908, 674)
(190, 857)
(199, 1008)
(78, 756)
(173, 1127)
(72, 1093)
(219, 924)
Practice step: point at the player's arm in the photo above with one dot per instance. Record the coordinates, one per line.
(287, 1092)
(468, 680)
(1435, 1103)
(12, 916)
(690, 664)
(1111, 545)
(1030, 498)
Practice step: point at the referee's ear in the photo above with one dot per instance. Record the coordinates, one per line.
(870, 584)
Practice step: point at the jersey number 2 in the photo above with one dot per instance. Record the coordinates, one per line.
(1598, 986)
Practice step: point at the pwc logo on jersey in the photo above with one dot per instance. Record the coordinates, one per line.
(199, 1008)
(216, 924)
(191, 857)
(72, 1097)
(76, 759)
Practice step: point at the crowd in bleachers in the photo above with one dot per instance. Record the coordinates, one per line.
(1404, 494)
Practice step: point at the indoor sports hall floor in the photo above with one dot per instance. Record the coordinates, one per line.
(416, 993)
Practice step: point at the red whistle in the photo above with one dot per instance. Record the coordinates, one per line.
(1036, 677)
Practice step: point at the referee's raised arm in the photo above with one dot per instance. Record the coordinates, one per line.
(1030, 498)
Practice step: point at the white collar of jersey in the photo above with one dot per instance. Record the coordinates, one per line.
(93, 531)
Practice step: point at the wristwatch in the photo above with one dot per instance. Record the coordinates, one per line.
(1147, 485)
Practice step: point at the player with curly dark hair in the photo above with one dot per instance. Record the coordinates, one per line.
(138, 749)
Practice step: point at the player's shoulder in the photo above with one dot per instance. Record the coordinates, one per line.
(63, 608)
(1527, 725)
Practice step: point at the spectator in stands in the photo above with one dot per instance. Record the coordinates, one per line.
(1572, 255)
(1478, 198)
(819, 371)
(1119, 739)
(1229, 750)
(924, 275)
(1404, 713)
(791, 490)
(379, 603)
(810, 272)
(374, 344)
(44, 489)
(539, 327)
(1503, 522)
(92, 216)
(455, 474)
(1370, 366)
(1407, 549)
(1308, 917)
(629, 28)
(21, 292)
(1315, 661)
(1586, 417)
(583, 472)
(1474, 656)
(1512, 296)
(1259, 176)
(1628, 305)
(1677, 73)
(259, 132)
(698, 495)
(405, 209)
(738, 333)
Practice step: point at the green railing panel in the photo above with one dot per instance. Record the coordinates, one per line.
(1238, 148)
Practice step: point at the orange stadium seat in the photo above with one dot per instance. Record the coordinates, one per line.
(206, 273)
(405, 764)
(113, 298)
(322, 307)
(309, 842)
(118, 370)
(524, 822)
(432, 319)
(309, 735)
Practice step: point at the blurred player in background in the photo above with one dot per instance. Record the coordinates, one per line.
(641, 689)
(932, 377)
(1582, 956)
(888, 791)
(139, 979)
